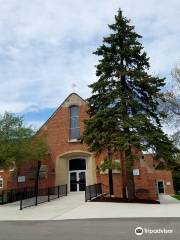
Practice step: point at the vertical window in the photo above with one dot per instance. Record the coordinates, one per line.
(1, 182)
(74, 132)
(1, 169)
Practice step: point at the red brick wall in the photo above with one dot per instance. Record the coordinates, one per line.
(104, 179)
(56, 130)
(145, 183)
(166, 176)
(161, 175)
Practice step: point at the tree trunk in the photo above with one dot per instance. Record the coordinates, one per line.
(123, 175)
(110, 174)
(130, 186)
(129, 191)
(129, 177)
(111, 190)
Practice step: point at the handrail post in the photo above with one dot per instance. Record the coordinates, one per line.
(21, 200)
(58, 191)
(85, 196)
(22, 196)
(66, 189)
(100, 185)
(96, 189)
(36, 197)
(48, 194)
(21, 204)
(90, 192)
(37, 181)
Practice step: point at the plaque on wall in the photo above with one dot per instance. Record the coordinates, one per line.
(136, 172)
(21, 178)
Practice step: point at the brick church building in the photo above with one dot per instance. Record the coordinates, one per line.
(70, 162)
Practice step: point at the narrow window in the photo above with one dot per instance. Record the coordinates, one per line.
(1, 169)
(74, 123)
(1, 182)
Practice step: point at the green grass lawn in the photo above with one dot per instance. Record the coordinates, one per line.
(177, 196)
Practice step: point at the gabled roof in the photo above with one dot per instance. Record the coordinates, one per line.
(63, 103)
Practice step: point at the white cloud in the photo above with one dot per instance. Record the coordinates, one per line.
(35, 125)
(16, 107)
(47, 45)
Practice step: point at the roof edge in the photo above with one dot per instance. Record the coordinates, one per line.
(60, 106)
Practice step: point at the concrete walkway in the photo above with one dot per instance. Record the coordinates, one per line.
(169, 207)
(44, 211)
(74, 207)
(166, 199)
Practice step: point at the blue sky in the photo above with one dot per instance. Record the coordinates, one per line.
(46, 46)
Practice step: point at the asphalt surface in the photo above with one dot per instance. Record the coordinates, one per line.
(96, 229)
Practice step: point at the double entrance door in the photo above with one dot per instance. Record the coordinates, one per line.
(77, 180)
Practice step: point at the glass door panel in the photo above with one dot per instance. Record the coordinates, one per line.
(73, 182)
(82, 181)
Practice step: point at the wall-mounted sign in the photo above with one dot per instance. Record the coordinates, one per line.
(21, 178)
(168, 183)
(43, 168)
(136, 172)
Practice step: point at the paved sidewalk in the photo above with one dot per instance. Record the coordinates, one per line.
(169, 207)
(74, 207)
(166, 199)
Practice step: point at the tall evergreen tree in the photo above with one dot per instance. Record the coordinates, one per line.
(123, 108)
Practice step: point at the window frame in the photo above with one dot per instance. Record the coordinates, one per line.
(2, 180)
(70, 123)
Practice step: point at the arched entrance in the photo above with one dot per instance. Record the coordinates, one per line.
(86, 164)
(77, 174)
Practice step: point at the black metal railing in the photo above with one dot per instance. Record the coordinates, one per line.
(32, 198)
(11, 195)
(93, 191)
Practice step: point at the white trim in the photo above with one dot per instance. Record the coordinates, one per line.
(70, 122)
(69, 171)
(1, 179)
(77, 176)
(74, 141)
(75, 154)
(10, 170)
(62, 164)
